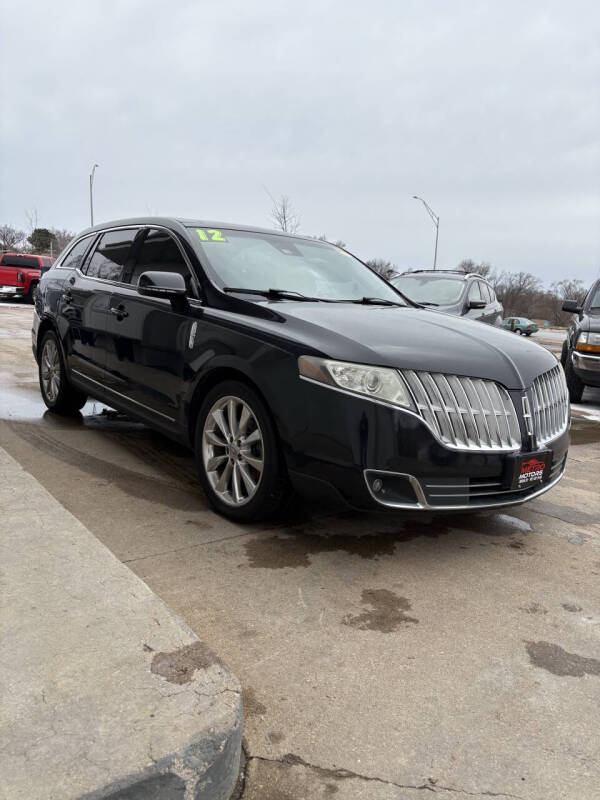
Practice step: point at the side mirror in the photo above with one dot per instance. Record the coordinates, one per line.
(572, 306)
(169, 285)
(477, 304)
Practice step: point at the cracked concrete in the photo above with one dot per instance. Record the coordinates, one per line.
(87, 650)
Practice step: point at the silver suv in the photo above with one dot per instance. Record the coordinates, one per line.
(452, 292)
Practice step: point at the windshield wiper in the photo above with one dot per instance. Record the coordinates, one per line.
(375, 301)
(277, 294)
(426, 303)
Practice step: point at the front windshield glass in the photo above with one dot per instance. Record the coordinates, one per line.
(263, 261)
(430, 289)
(595, 302)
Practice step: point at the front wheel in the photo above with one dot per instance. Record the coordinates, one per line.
(519, 331)
(57, 392)
(574, 384)
(238, 456)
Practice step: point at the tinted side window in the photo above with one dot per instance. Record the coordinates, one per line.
(110, 255)
(159, 252)
(474, 293)
(75, 256)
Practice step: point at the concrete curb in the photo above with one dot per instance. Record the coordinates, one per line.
(105, 694)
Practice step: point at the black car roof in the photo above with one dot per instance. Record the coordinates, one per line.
(183, 222)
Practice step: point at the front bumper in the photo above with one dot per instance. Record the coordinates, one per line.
(587, 368)
(347, 444)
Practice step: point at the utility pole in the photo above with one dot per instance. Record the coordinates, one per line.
(92, 194)
(436, 221)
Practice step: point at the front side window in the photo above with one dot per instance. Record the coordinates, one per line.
(429, 289)
(263, 261)
(595, 299)
(159, 252)
(110, 255)
(485, 292)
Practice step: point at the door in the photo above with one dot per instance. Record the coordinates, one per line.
(148, 340)
(81, 314)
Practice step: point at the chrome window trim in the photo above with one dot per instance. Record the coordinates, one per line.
(58, 264)
(423, 505)
(135, 228)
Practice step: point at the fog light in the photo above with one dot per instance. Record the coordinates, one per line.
(377, 485)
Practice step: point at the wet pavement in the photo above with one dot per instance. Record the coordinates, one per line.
(381, 656)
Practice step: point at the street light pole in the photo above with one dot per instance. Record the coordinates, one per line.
(92, 195)
(436, 221)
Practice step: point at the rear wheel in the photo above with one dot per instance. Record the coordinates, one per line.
(238, 455)
(57, 392)
(30, 296)
(574, 384)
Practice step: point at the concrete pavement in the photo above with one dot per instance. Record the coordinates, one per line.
(381, 656)
(105, 693)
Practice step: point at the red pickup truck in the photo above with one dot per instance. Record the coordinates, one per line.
(20, 274)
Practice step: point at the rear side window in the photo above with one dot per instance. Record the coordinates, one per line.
(75, 256)
(20, 261)
(485, 292)
(110, 255)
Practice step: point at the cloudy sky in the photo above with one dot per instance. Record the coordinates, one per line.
(489, 109)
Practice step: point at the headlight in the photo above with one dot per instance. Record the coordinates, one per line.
(588, 342)
(376, 383)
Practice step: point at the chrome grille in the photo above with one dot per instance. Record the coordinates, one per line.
(465, 413)
(549, 402)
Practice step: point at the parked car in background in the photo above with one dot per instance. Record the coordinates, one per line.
(452, 292)
(284, 361)
(520, 325)
(20, 274)
(581, 349)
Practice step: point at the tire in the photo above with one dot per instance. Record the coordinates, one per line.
(528, 334)
(57, 393)
(30, 296)
(574, 385)
(564, 353)
(519, 331)
(227, 467)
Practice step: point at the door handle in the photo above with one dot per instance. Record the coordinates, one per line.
(119, 311)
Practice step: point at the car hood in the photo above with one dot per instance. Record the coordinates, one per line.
(409, 338)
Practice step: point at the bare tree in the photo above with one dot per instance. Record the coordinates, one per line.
(384, 268)
(519, 293)
(468, 266)
(284, 215)
(10, 238)
(337, 242)
(32, 219)
(62, 237)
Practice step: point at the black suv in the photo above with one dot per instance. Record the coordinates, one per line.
(285, 362)
(581, 349)
(452, 292)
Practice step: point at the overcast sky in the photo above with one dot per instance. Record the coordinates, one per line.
(489, 110)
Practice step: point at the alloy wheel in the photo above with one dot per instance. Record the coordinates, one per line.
(50, 370)
(233, 450)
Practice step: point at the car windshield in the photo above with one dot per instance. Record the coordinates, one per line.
(262, 261)
(595, 302)
(430, 289)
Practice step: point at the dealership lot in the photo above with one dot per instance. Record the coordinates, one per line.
(380, 655)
